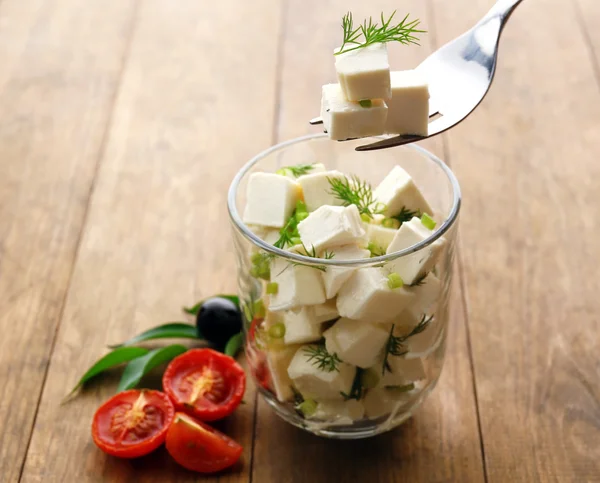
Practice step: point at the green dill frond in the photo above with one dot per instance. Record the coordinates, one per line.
(406, 215)
(318, 356)
(296, 170)
(369, 32)
(394, 345)
(355, 191)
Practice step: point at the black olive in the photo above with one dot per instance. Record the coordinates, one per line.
(218, 320)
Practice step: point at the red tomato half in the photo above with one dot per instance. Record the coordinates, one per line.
(198, 447)
(205, 384)
(132, 423)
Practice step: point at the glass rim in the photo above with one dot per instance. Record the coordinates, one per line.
(296, 257)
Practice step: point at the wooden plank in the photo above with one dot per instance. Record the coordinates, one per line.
(61, 61)
(194, 105)
(527, 160)
(441, 442)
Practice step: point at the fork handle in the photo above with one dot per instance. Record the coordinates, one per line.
(502, 10)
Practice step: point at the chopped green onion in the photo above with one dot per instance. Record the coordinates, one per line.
(301, 215)
(390, 223)
(369, 378)
(261, 267)
(277, 331)
(308, 407)
(281, 172)
(376, 250)
(427, 221)
(272, 288)
(257, 258)
(259, 308)
(366, 218)
(405, 388)
(301, 207)
(296, 241)
(365, 103)
(394, 281)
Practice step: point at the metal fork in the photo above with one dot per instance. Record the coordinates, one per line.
(459, 75)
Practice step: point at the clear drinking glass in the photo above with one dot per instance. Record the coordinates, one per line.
(386, 406)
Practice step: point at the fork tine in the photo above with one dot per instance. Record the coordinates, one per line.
(391, 142)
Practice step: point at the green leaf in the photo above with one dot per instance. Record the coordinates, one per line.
(196, 308)
(137, 368)
(115, 358)
(165, 331)
(234, 344)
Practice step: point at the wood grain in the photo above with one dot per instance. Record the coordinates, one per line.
(441, 442)
(60, 65)
(527, 160)
(194, 105)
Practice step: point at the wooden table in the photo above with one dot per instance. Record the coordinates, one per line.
(122, 123)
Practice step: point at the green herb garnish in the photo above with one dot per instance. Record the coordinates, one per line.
(419, 281)
(427, 221)
(394, 345)
(318, 356)
(406, 215)
(405, 388)
(369, 33)
(366, 103)
(390, 223)
(296, 170)
(376, 250)
(307, 407)
(357, 391)
(277, 331)
(354, 191)
(394, 281)
(272, 288)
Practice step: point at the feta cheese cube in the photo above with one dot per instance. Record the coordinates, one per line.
(397, 191)
(364, 73)
(297, 285)
(356, 342)
(325, 312)
(331, 226)
(413, 266)
(426, 296)
(278, 362)
(335, 277)
(317, 383)
(366, 295)
(408, 106)
(403, 371)
(380, 401)
(300, 326)
(270, 199)
(380, 236)
(317, 190)
(344, 119)
(352, 410)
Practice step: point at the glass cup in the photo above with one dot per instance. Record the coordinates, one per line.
(409, 363)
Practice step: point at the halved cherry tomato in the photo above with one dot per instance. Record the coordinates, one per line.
(132, 423)
(198, 447)
(205, 384)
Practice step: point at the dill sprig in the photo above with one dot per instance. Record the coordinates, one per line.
(297, 170)
(288, 233)
(406, 215)
(419, 281)
(318, 356)
(354, 191)
(369, 33)
(394, 345)
(357, 390)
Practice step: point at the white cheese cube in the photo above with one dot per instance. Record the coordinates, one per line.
(317, 189)
(331, 226)
(352, 410)
(300, 326)
(297, 285)
(397, 191)
(380, 401)
(408, 106)
(317, 383)
(344, 119)
(366, 295)
(356, 342)
(325, 312)
(364, 73)
(278, 362)
(270, 199)
(412, 267)
(403, 371)
(335, 277)
(380, 236)
(426, 296)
